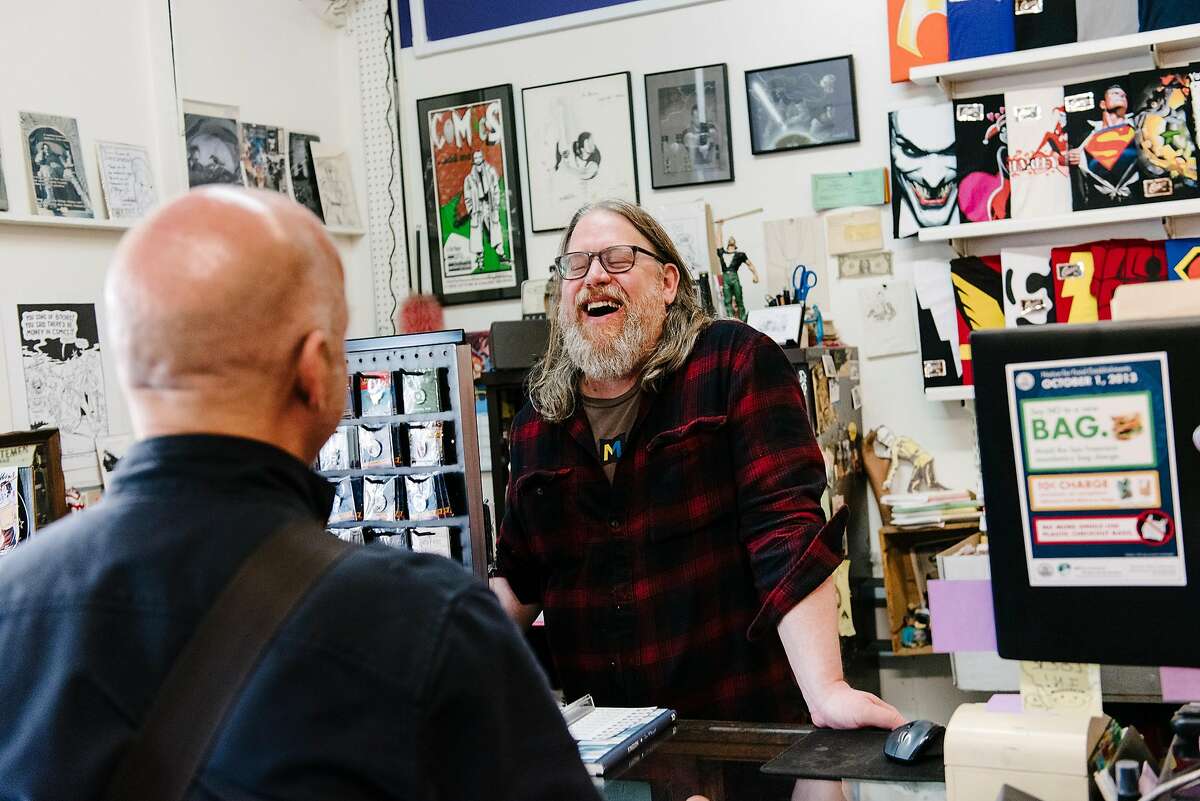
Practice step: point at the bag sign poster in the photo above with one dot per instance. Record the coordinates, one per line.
(1095, 455)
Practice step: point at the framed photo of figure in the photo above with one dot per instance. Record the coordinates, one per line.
(579, 146)
(472, 195)
(811, 104)
(687, 118)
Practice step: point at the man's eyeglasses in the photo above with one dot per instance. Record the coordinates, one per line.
(614, 259)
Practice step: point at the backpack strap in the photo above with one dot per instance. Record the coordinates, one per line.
(208, 675)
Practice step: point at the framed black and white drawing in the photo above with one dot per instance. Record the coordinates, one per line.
(579, 145)
(794, 106)
(472, 195)
(687, 117)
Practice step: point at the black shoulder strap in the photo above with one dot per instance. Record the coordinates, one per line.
(210, 672)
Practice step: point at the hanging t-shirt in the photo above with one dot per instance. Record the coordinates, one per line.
(1102, 131)
(1124, 261)
(1037, 152)
(1100, 19)
(924, 168)
(1162, 109)
(1028, 287)
(916, 35)
(1156, 14)
(611, 420)
(941, 364)
(980, 27)
(980, 134)
(1072, 270)
(1183, 259)
(1043, 23)
(978, 302)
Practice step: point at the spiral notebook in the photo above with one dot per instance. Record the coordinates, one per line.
(607, 735)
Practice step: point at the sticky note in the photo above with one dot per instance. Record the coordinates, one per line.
(960, 616)
(1179, 685)
(1060, 686)
(1005, 702)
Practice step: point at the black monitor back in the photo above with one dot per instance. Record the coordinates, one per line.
(1105, 624)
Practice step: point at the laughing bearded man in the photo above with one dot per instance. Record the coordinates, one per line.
(663, 505)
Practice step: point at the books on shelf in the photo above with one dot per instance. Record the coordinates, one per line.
(608, 735)
(933, 509)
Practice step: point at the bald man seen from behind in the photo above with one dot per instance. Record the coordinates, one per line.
(397, 677)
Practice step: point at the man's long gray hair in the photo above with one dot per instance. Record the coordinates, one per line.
(555, 378)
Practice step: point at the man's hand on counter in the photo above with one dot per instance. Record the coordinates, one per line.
(840, 706)
(810, 638)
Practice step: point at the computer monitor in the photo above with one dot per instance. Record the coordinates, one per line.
(1090, 454)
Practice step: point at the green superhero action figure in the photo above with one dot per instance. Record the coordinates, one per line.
(734, 306)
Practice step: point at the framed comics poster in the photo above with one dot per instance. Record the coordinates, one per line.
(802, 105)
(687, 117)
(579, 144)
(472, 195)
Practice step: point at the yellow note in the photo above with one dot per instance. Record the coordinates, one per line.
(853, 232)
(1055, 686)
(841, 583)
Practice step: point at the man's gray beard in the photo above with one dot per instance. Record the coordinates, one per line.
(609, 359)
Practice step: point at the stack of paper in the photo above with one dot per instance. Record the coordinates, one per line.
(933, 508)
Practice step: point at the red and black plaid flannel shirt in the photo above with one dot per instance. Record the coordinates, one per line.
(666, 587)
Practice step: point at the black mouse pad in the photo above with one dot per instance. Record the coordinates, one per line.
(829, 754)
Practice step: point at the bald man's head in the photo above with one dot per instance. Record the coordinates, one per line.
(210, 303)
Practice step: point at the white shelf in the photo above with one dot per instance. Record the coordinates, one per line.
(1045, 59)
(1079, 219)
(7, 218)
(65, 222)
(950, 393)
(340, 231)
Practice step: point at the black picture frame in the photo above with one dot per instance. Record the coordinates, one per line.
(807, 105)
(558, 171)
(693, 144)
(457, 126)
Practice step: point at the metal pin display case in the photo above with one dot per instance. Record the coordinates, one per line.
(448, 351)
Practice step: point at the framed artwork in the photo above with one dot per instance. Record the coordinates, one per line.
(579, 145)
(472, 195)
(687, 117)
(810, 104)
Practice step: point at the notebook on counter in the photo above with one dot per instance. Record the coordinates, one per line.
(607, 735)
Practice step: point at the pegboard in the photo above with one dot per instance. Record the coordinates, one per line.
(381, 150)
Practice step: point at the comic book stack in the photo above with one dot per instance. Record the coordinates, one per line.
(933, 509)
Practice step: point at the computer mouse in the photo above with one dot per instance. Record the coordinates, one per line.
(914, 740)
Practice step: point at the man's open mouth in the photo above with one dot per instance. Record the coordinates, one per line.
(932, 197)
(601, 308)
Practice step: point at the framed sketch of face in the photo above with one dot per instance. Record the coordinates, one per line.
(579, 146)
(795, 106)
(687, 119)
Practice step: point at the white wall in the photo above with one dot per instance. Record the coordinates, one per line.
(110, 68)
(745, 34)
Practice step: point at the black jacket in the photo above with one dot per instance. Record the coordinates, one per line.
(398, 677)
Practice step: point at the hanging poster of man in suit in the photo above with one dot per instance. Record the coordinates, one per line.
(472, 196)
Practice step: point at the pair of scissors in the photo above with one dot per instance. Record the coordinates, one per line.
(808, 279)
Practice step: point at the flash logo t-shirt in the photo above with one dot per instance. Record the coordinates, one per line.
(611, 419)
